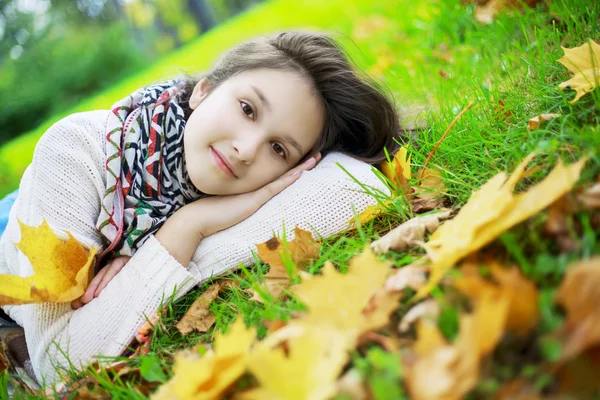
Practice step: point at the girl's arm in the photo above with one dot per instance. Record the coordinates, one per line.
(64, 184)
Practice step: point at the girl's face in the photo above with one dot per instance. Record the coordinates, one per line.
(261, 122)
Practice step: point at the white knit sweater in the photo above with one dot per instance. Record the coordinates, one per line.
(65, 183)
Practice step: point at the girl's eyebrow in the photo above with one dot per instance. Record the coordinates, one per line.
(267, 106)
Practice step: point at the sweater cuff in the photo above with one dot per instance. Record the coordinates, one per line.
(155, 263)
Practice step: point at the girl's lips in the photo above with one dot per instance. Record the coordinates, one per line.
(220, 163)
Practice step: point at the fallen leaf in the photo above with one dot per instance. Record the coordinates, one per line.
(536, 122)
(446, 372)
(409, 234)
(579, 295)
(210, 376)
(301, 251)
(398, 170)
(429, 338)
(309, 371)
(198, 316)
(431, 184)
(492, 210)
(584, 62)
(62, 269)
(590, 198)
(425, 309)
(369, 214)
(327, 296)
(351, 386)
(409, 276)
(509, 285)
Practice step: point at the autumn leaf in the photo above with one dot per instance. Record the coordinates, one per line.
(584, 62)
(309, 370)
(61, 269)
(328, 298)
(198, 316)
(579, 295)
(301, 251)
(398, 170)
(521, 295)
(431, 184)
(409, 234)
(536, 122)
(492, 210)
(485, 13)
(209, 376)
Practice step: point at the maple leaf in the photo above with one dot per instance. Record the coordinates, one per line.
(198, 316)
(579, 295)
(62, 269)
(327, 296)
(309, 371)
(410, 233)
(301, 251)
(584, 62)
(492, 210)
(208, 377)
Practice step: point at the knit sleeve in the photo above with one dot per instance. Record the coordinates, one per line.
(64, 184)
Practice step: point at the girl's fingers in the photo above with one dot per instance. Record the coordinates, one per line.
(114, 268)
(89, 293)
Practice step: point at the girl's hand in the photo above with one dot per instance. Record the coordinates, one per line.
(221, 212)
(100, 281)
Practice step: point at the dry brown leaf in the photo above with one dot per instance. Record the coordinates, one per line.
(536, 122)
(590, 198)
(62, 269)
(409, 234)
(198, 316)
(302, 250)
(579, 295)
(410, 276)
(429, 309)
(584, 62)
(492, 210)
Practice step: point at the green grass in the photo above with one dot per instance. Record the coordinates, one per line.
(512, 61)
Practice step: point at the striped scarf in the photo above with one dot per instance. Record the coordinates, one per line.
(146, 177)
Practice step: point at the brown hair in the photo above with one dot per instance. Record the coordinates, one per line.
(360, 120)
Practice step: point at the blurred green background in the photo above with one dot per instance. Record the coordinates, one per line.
(58, 57)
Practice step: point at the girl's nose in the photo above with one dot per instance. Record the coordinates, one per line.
(247, 147)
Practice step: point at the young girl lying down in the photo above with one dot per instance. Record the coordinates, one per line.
(179, 180)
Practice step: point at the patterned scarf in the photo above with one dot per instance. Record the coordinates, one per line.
(146, 178)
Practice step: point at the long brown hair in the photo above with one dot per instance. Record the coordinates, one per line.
(360, 118)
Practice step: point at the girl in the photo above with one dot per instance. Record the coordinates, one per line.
(172, 164)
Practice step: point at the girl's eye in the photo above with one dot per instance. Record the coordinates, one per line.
(247, 109)
(282, 155)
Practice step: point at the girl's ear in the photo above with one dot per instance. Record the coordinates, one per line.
(200, 91)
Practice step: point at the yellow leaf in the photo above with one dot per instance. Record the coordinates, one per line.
(398, 170)
(301, 250)
(368, 214)
(431, 185)
(584, 62)
(208, 377)
(310, 370)
(337, 300)
(492, 210)
(61, 268)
